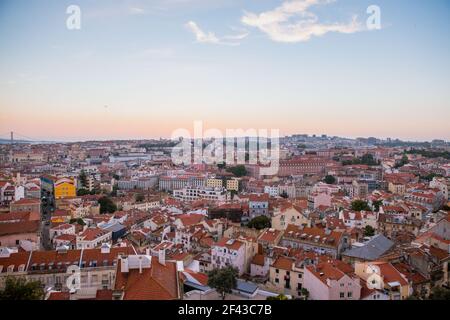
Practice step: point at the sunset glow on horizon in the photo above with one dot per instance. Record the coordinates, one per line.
(141, 70)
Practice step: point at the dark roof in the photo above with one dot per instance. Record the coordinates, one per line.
(372, 250)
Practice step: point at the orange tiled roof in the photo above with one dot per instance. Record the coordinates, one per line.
(159, 282)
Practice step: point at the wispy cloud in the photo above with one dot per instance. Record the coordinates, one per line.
(293, 22)
(209, 37)
(137, 11)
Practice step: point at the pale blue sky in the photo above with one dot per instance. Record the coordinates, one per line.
(142, 61)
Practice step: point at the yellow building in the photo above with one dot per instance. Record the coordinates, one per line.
(65, 188)
(286, 214)
(214, 183)
(285, 277)
(397, 188)
(233, 184)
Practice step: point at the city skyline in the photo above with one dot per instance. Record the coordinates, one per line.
(142, 69)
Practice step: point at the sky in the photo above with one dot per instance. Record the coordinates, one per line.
(144, 68)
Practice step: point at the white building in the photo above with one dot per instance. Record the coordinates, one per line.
(441, 184)
(93, 238)
(229, 252)
(197, 193)
(271, 190)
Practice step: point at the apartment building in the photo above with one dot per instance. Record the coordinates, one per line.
(302, 165)
(97, 267)
(229, 252)
(332, 280)
(65, 188)
(258, 205)
(171, 183)
(288, 213)
(197, 193)
(323, 241)
(386, 277)
(93, 238)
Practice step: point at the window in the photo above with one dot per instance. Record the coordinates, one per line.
(349, 295)
(341, 295)
(276, 280)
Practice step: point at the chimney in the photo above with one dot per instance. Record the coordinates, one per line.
(124, 264)
(147, 251)
(162, 256)
(140, 264)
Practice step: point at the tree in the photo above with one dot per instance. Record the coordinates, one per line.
(440, 293)
(107, 205)
(221, 165)
(304, 293)
(95, 190)
(77, 220)
(377, 204)
(359, 205)
(368, 159)
(21, 289)
(259, 223)
(429, 177)
(238, 171)
(83, 179)
(330, 179)
(82, 192)
(114, 191)
(223, 280)
(278, 297)
(284, 195)
(404, 160)
(369, 231)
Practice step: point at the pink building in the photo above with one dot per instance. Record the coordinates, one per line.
(22, 233)
(316, 200)
(332, 280)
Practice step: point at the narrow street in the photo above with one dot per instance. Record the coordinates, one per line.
(46, 214)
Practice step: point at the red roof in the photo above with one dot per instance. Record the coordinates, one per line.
(92, 234)
(229, 243)
(190, 219)
(19, 227)
(159, 282)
